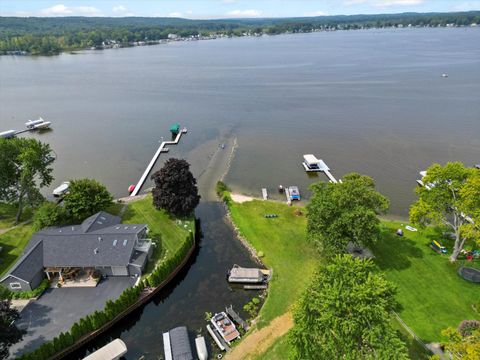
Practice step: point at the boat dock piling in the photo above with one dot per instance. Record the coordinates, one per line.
(154, 160)
(255, 287)
(264, 194)
(236, 317)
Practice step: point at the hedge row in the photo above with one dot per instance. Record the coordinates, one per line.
(112, 309)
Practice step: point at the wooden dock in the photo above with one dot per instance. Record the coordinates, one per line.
(330, 176)
(232, 313)
(255, 287)
(154, 160)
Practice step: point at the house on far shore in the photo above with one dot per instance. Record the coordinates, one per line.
(100, 243)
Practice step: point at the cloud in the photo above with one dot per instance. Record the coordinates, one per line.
(315, 13)
(119, 9)
(384, 3)
(244, 13)
(467, 6)
(175, 14)
(62, 10)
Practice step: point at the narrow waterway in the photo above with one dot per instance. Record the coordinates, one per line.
(201, 286)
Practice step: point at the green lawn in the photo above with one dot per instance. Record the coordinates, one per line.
(286, 250)
(13, 242)
(8, 213)
(432, 295)
(169, 233)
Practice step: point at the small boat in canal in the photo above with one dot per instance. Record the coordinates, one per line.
(201, 347)
(176, 344)
(238, 274)
(225, 327)
(112, 351)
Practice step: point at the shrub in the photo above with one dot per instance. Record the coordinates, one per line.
(221, 188)
(49, 214)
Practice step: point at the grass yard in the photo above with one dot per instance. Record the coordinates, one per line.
(432, 295)
(168, 232)
(8, 213)
(282, 240)
(13, 242)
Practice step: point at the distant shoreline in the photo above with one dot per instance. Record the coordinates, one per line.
(46, 36)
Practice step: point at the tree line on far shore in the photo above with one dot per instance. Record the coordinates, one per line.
(47, 36)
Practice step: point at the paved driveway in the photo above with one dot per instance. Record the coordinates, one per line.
(58, 309)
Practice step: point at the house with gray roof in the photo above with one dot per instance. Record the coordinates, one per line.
(100, 243)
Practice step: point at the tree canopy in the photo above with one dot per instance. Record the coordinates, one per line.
(9, 334)
(25, 168)
(175, 188)
(49, 214)
(344, 212)
(345, 314)
(448, 199)
(464, 342)
(85, 197)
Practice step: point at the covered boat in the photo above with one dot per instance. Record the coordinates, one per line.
(246, 275)
(176, 344)
(311, 163)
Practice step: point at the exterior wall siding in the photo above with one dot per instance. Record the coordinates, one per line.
(134, 270)
(37, 279)
(25, 286)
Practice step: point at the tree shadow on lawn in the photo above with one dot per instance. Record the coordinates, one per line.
(394, 252)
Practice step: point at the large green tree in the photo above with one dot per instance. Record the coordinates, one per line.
(345, 314)
(344, 212)
(175, 188)
(25, 168)
(446, 200)
(85, 197)
(9, 333)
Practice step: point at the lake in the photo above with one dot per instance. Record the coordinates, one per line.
(367, 101)
(373, 102)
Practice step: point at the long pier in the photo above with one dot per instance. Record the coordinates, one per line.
(154, 160)
(330, 176)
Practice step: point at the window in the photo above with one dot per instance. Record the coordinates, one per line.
(15, 286)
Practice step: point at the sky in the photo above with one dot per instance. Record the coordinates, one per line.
(212, 9)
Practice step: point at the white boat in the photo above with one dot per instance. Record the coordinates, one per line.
(43, 125)
(225, 327)
(445, 75)
(62, 189)
(311, 163)
(410, 228)
(30, 124)
(112, 351)
(201, 347)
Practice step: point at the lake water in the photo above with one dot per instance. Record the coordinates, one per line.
(367, 101)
